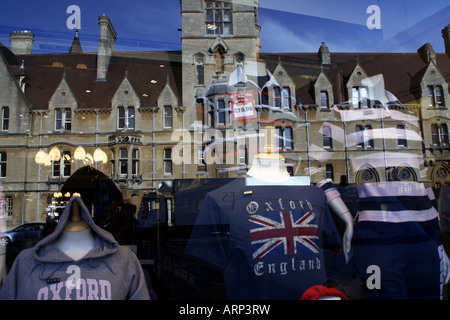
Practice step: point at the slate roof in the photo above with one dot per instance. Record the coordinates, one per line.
(402, 72)
(45, 72)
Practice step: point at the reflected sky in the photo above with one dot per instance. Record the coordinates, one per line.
(287, 25)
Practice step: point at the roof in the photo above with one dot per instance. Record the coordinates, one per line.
(45, 72)
(402, 72)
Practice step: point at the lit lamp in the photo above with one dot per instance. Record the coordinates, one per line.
(100, 156)
(88, 160)
(79, 153)
(41, 157)
(54, 154)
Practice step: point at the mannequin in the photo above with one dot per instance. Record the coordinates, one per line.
(78, 261)
(77, 239)
(266, 233)
(269, 166)
(414, 224)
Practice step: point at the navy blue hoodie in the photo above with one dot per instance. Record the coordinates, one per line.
(107, 272)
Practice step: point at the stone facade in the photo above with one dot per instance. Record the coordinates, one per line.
(141, 108)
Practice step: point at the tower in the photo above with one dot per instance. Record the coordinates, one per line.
(217, 36)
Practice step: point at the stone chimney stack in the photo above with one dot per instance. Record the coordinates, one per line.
(427, 53)
(324, 54)
(21, 42)
(106, 46)
(446, 36)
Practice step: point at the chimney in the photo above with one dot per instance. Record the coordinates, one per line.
(446, 36)
(21, 42)
(106, 46)
(427, 53)
(324, 54)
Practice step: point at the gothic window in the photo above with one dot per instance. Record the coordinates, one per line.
(200, 76)
(359, 97)
(435, 96)
(277, 97)
(218, 17)
(135, 162)
(168, 117)
(3, 164)
(439, 134)
(9, 206)
(327, 140)
(329, 172)
(5, 118)
(123, 162)
(168, 161)
(364, 137)
(284, 138)
(223, 112)
(324, 99)
(126, 118)
(286, 98)
(62, 166)
(401, 136)
(63, 119)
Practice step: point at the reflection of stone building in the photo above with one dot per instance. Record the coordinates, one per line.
(133, 105)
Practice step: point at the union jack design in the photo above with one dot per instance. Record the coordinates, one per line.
(267, 234)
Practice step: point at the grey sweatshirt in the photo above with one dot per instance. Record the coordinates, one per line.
(107, 272)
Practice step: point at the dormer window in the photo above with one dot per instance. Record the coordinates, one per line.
(435, 96)
(126, 118)
(359, 97)
(324, 101)
(63, 119)
(5, 118)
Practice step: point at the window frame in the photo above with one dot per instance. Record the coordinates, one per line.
(3, 164)
(401, 136)
(327, 139)
(5, 119)
(364, 136)
(284, 141)
(63, 167)
(126, 118)
(167, 117)
(123, 162)
(63, 119)
(215, 17)
(167, 161)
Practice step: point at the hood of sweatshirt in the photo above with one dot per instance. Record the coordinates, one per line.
(45, 251)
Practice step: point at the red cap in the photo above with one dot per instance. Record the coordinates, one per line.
(319, 291)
